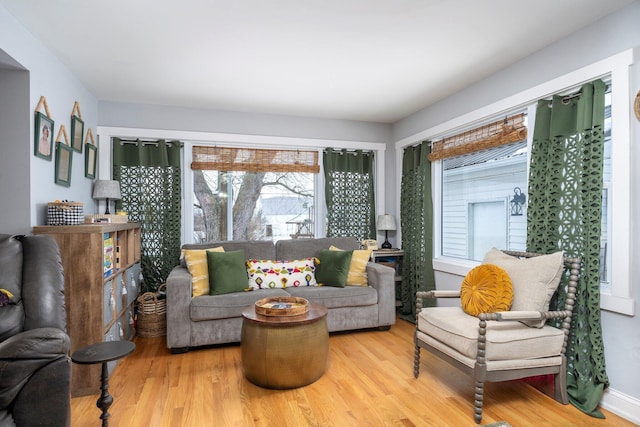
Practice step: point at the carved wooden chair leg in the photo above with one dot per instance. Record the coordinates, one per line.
(478, 398)
(416, 362)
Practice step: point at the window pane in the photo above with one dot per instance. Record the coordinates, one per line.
(605, 244)
(483, 201)
(263, 205)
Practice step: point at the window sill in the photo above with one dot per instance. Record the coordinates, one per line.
(459, 267)
(622, 305)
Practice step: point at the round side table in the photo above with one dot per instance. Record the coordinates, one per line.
(284, 352)
(103, 352)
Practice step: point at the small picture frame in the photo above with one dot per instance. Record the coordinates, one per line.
(64, 156)
(77, 130)
(90, 160)
(43, 145)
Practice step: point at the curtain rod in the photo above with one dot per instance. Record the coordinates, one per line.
(146, 142)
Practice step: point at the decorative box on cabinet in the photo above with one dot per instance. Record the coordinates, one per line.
(391, 258)
(101, 267)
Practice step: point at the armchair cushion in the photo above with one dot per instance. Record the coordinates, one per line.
(506, 340)
(486, 289)
(534, 279)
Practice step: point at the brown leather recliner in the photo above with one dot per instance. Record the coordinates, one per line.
(35, 368)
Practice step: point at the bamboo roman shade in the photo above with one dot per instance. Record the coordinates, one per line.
(509, 130)
(253, 160)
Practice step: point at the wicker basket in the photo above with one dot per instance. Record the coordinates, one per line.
(152, 315)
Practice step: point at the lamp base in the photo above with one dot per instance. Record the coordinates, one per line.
(386, 244)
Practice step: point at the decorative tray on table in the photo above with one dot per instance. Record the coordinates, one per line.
(282, 306)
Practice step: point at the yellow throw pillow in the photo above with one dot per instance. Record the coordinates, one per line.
(486, 289)
(196, 260)
(358, 268)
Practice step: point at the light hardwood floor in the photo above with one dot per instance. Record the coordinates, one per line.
(368, 382)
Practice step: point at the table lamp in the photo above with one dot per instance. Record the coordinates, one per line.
(106, 189)
(386, 222)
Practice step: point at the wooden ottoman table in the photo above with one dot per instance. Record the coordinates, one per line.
(283, 352)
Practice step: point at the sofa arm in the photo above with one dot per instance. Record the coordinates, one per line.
(178, 303)
(382, 278)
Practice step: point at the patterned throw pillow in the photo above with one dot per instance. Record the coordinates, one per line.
(486, 289)
(196, 260)
(357, 275)
(268, 274)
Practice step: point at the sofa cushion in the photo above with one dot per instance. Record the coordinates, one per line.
(211, 307)
(332, 267)
(256, 249)
(357, 275)
(227, 272)
(506, 340)
(534, 279)
(485, 289)
(269, 274)
(332, 297)
(309, 248)
(198, 266)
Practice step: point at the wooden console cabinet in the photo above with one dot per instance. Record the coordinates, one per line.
(101, 269)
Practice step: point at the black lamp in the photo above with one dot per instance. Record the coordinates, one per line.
(386, 222)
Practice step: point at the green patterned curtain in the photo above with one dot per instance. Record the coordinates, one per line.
(416, 220)
(564, 212)
(149, 175)
(349, 193)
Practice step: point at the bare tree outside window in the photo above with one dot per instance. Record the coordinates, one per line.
(258, 205)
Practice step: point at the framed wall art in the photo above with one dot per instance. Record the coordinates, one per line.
(64, 156)
(90, 160)
(43, 144)
(77, 131)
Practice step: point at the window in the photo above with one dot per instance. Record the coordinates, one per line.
(477, 190)
(459, 192)
(481, 190)
(253, 194)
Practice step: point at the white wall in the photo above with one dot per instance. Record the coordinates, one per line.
(46, 76)
(14, 122)
(117, 114)
(613, 34)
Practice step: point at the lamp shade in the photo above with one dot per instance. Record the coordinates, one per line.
(386, 222)
(106, 189)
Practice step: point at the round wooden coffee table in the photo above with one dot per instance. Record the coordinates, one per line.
(284, 352)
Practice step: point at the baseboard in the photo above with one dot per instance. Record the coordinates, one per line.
(622, 405)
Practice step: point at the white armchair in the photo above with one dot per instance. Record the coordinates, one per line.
(499, 346)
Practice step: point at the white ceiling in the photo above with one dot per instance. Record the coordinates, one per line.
(371, 60)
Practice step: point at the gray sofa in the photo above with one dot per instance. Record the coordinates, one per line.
(206, 320)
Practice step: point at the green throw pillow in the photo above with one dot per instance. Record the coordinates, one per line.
(333, 268)
(227, 272)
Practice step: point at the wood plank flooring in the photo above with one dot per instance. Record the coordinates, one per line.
(368, 382)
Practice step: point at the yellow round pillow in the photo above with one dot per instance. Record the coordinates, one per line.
(486, 288)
